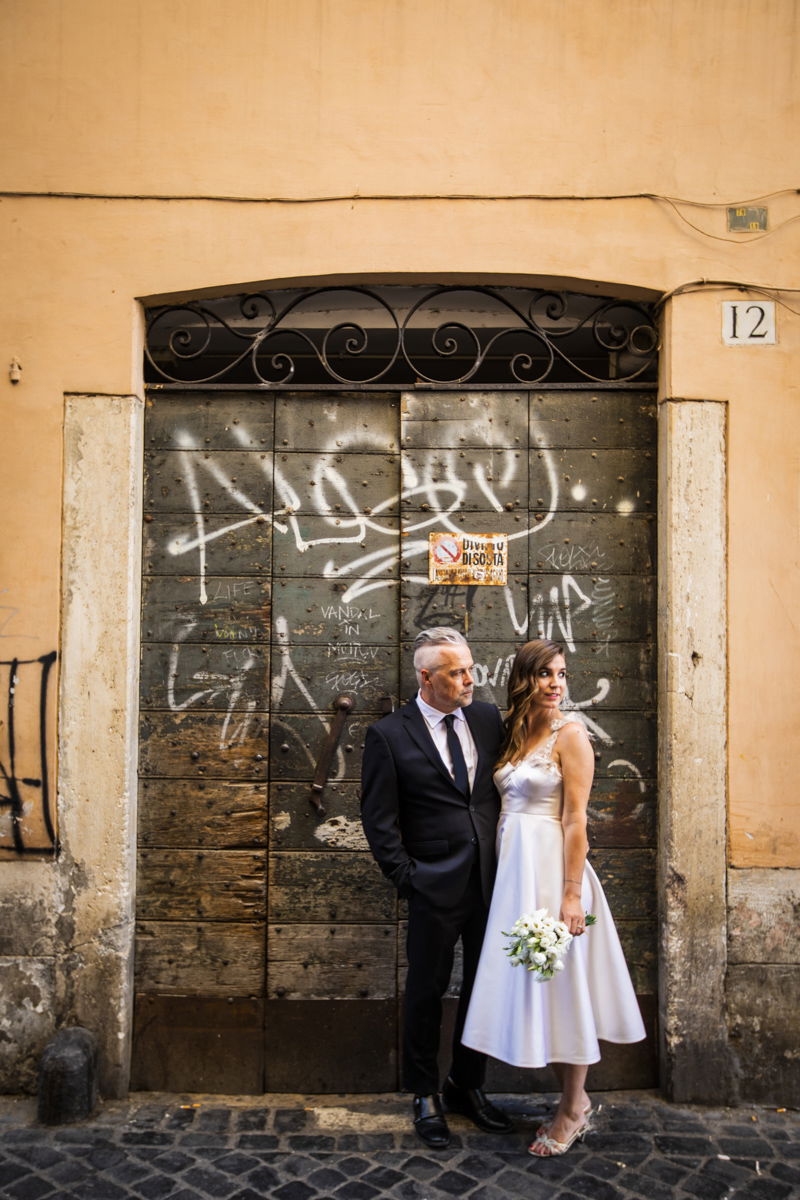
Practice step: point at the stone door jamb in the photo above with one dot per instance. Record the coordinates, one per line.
(692, 750)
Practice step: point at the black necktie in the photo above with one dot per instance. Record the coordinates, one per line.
(460, 772)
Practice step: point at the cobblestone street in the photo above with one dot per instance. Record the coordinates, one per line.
(361, 1148)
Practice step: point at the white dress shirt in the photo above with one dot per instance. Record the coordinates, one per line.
(434, 719)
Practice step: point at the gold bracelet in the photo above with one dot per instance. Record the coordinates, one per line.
(578, 881)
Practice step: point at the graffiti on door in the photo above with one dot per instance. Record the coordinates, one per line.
(286, 563)
(361, 550)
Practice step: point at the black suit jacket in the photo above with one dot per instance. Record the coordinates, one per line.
(423, 831)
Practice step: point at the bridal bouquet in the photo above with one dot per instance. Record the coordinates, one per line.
(539, 943)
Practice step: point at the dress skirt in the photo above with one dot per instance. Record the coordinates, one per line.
(512, 1015)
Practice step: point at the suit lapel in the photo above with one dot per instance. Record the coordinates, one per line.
(418, 730)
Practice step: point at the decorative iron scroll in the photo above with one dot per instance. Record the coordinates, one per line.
(401, 336)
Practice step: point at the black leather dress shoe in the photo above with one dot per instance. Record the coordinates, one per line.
(474, 1103)
(429, 1122)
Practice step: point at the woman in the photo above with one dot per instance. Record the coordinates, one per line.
(544, 777)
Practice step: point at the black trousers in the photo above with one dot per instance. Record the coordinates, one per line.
(432, 937)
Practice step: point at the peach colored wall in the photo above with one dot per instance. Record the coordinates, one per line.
(405, 98)
(260, 97)
(762, 388)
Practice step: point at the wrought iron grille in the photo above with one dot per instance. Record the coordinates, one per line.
(370, 337)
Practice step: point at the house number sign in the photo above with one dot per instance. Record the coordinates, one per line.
(748, 322)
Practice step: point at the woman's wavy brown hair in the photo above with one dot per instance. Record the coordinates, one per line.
(529, 660)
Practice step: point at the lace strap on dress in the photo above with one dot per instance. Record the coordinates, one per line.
(556, 727)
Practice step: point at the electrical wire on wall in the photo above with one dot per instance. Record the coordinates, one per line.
(675, 203)
(726, 285)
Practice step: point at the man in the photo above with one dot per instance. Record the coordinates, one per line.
(429, 810)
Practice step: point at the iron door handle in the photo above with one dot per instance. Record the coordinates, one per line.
(343, 705)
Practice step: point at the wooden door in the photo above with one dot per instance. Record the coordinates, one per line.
(285, 564)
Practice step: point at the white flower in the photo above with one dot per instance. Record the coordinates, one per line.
(539, 943)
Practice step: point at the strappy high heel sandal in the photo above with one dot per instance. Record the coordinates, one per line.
(547, 1147)
(545, 1125)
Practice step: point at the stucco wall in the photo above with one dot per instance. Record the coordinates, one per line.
(291, 105)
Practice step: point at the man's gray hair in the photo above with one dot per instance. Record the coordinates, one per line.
(427, 639)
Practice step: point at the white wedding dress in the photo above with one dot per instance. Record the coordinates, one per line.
(512, 1016)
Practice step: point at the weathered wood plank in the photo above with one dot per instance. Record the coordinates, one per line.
(464, 419)
(208, 481)
(209, 421)
(624, 743)
(338, 981)
(594, 419)
(604, 609)
(187, 545)
(628, 878)
(447, 479)
(330, 668)
(202, 814)
(197, 1043)
(224, 677)
(622, 813)
(339, 1046)
(312, 610)
(187, 885)
(599, 543)
(296, 740)
(338, 962)
(338, 547)
(417, 524)
(332, 886)
(357, 420)
(639, 941)
(620, 481)
(629, 668)
(196, 744)
(294, 823)
(483, 614)
(211, 959)
(592, 608)
(345, 484)
(235, 610)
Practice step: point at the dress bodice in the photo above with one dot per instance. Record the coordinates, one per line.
(533, 785)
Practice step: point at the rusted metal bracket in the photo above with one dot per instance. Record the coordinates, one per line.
(343, 705)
